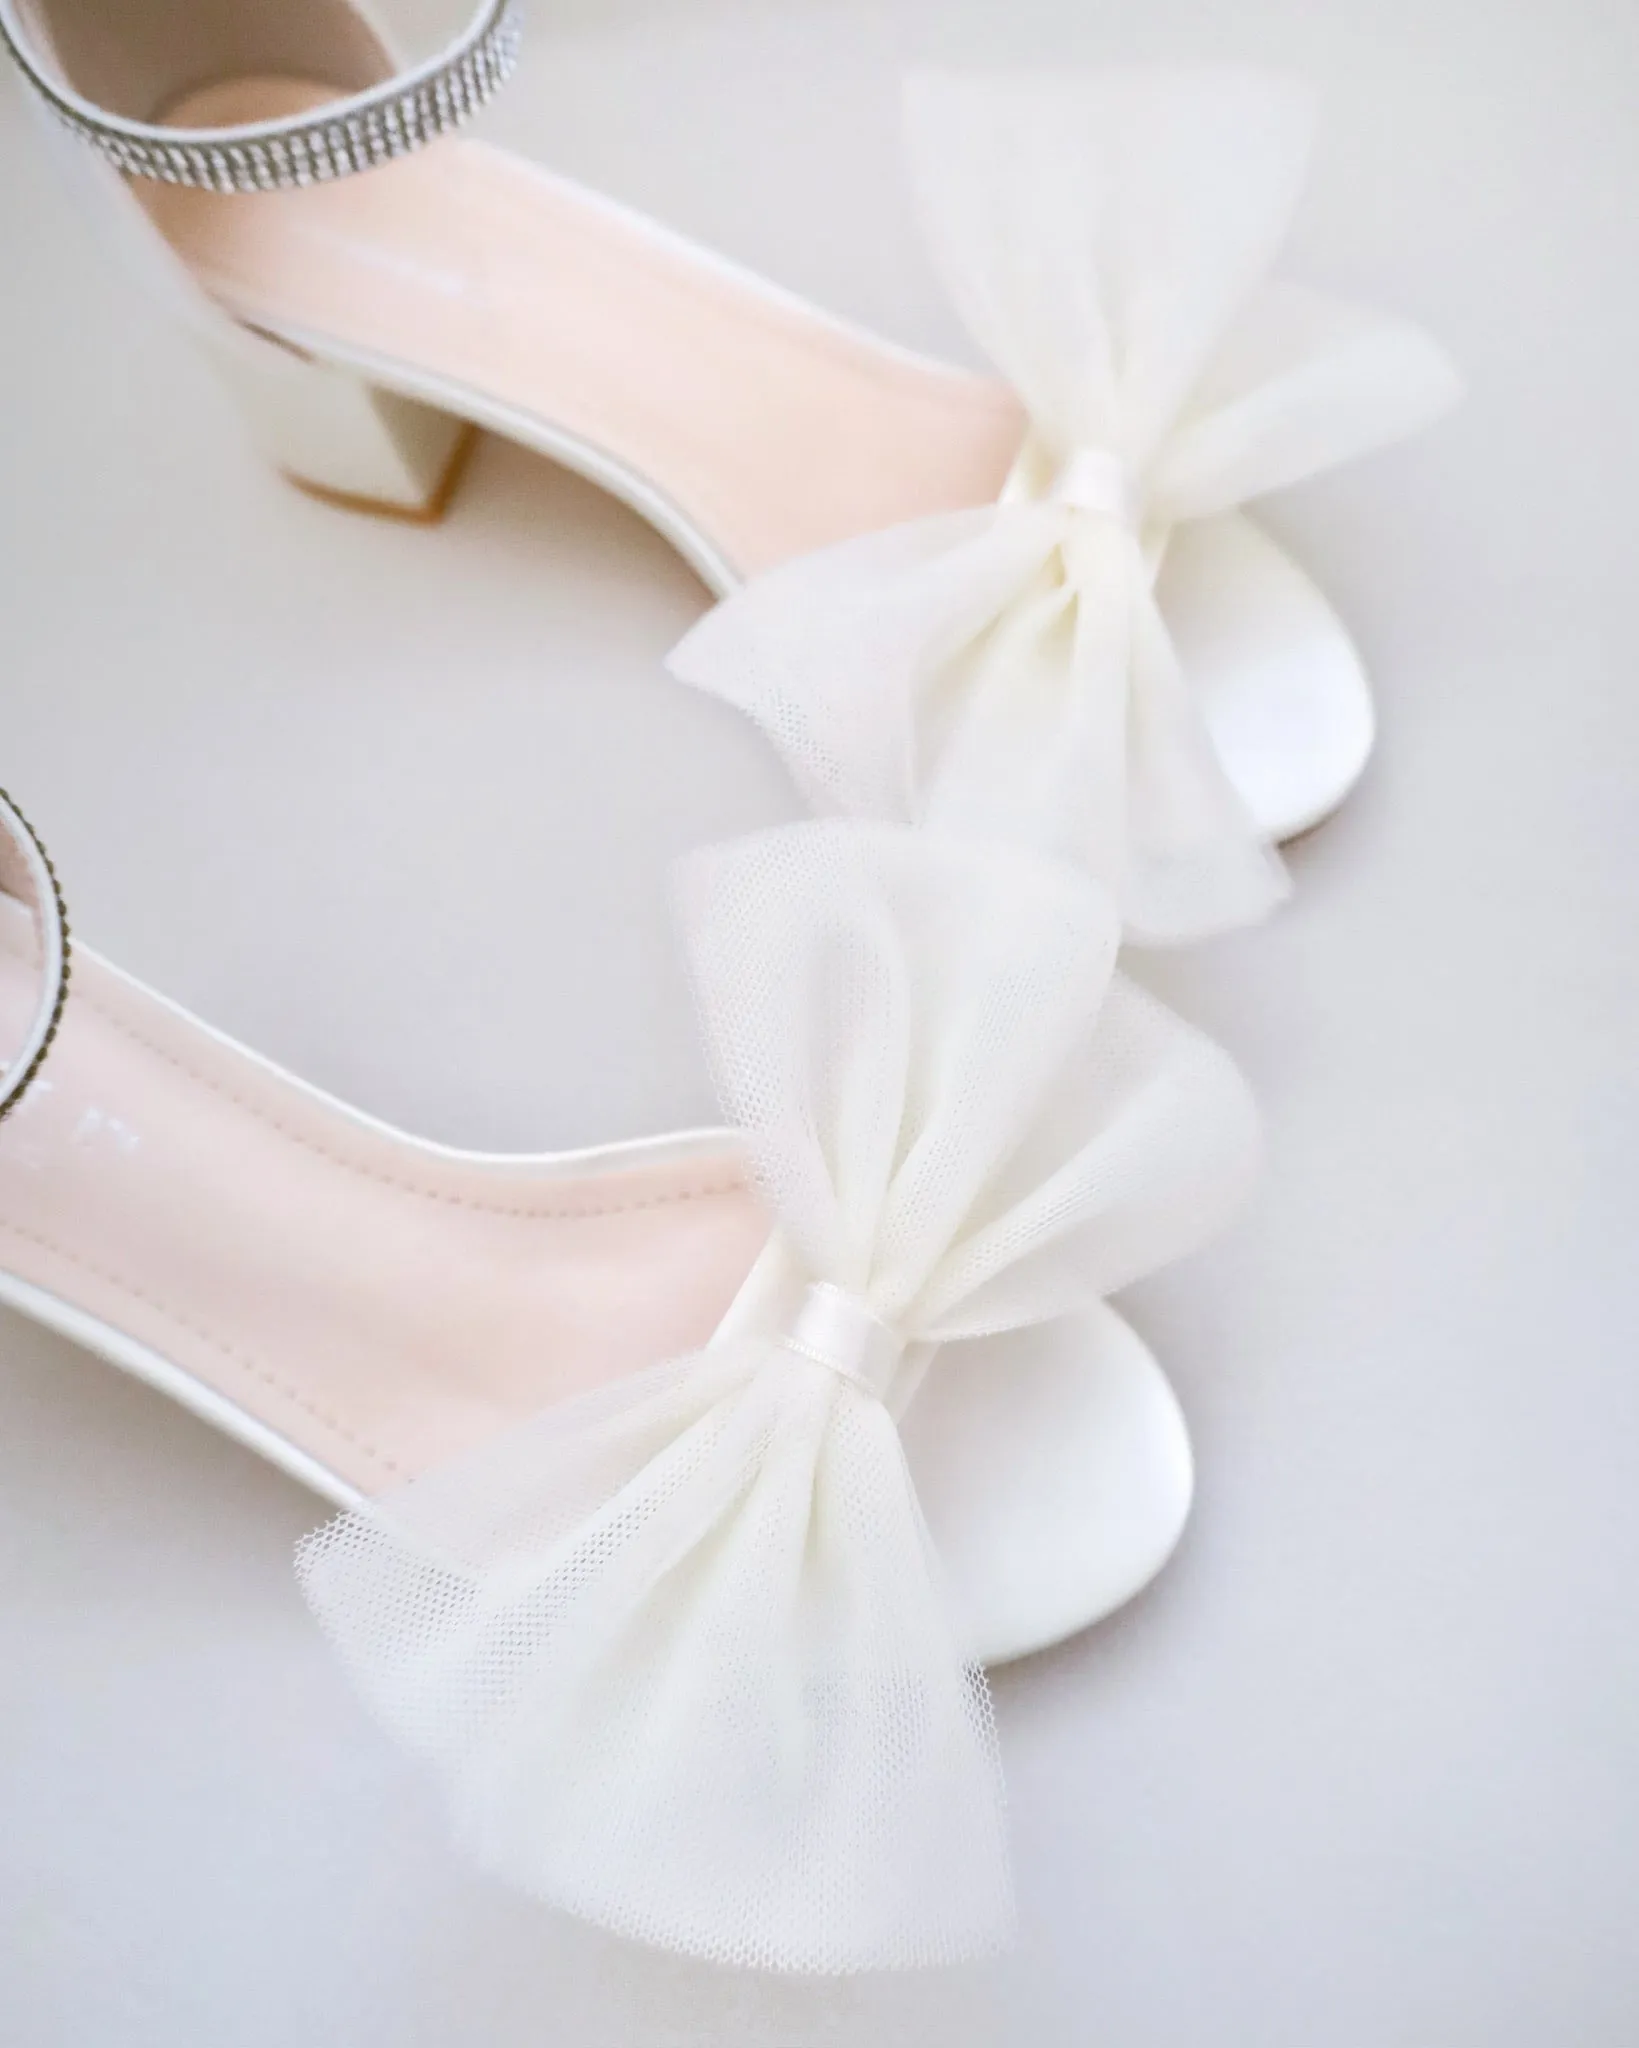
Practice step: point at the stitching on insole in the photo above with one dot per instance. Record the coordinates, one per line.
(240, 1358)
(587, 1212)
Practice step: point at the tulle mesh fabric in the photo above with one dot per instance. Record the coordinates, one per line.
(1010, 671)
(679, 1649)
(679, 1653)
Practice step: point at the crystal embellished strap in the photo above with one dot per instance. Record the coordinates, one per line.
(22, 853)
(351, 134)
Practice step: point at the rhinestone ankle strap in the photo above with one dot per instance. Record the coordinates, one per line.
(351, 134)
(27, 865)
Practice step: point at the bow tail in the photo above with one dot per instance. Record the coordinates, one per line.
(678, 1652)
(1029, 730)
(1197, 860)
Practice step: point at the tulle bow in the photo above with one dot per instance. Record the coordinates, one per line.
(679, 1648)
(1106, 240)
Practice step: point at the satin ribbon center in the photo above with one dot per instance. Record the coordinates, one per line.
(1094, 480)
(835, 1328)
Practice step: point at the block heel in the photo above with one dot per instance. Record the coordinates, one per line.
(340, 438)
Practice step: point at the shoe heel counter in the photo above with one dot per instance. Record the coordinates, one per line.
(136, 57)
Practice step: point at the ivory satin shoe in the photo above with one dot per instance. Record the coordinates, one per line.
(358, 1305)
(638, 1553)
(680, 1652)
(1114, 658)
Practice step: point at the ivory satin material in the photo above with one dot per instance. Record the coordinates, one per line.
(770, 426)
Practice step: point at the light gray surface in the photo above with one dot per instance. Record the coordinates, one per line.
(396, 807)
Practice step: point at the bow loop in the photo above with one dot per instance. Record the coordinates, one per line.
(1107, 241)
(885, 1015)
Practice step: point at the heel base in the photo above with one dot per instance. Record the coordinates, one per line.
(427, 513)
(340, 437)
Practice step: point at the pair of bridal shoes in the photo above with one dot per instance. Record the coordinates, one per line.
(688, 1487)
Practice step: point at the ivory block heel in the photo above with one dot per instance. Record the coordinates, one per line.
(345, 440)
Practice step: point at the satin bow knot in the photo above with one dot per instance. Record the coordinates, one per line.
(837, 1329)
(1092, 480)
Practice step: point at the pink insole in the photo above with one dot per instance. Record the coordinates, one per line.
(379, 1303)
(773, 428)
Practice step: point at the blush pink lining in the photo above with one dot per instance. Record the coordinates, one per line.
(768, 425)
(379, 1303)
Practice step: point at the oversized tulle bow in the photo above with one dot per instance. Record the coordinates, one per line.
(678, 1648)
(1015, 669)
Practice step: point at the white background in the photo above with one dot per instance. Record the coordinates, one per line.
(396, 807)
